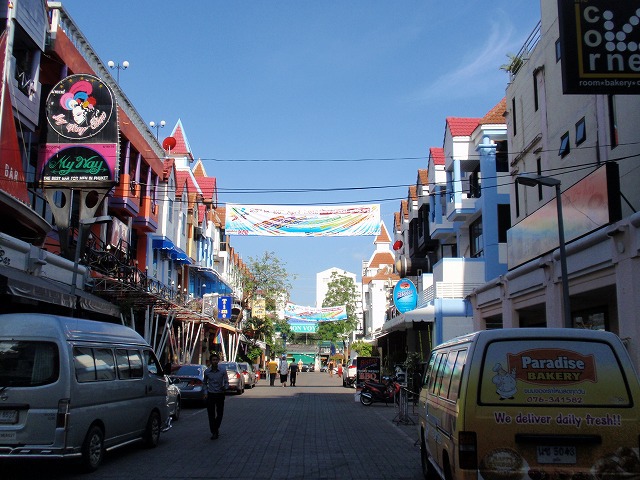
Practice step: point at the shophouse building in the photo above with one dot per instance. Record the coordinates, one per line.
(589, 144)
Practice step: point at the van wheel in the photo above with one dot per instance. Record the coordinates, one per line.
(152, 431)
(428, 472)
(93, 449)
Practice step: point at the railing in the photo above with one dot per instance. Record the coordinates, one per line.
(402, 403)
(523, 54)
(446, 290)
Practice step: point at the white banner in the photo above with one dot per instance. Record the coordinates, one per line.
(292, 221)
(324, 314)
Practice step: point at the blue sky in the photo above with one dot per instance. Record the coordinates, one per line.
(324, 94)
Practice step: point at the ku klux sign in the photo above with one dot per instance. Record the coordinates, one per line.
(600, 46)
(81, 145)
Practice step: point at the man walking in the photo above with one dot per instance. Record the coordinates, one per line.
(293, 371)
(272, 366)
(217, 384)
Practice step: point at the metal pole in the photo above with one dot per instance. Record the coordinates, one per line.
(566, 305)
(76, 262)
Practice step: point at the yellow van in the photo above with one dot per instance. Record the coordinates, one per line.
(531, 404)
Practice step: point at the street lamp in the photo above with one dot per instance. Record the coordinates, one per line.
(76, 261)
(157, 126)
(533, 180)
(118, 67)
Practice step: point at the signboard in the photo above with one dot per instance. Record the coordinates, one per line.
(323, 314)
(303, 327)
(299, 221)
(81, 145)
(224, 308)
(368, 368)
(405, 295)
(599, 43)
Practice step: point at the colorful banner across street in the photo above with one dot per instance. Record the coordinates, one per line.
(325, 314)
(299, 221)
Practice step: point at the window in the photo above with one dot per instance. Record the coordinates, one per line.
(447, 373)
(129, 364)
(504, 222)
(613, 121)
(475, 238)
(581, 132)
(513, 116)
(535, 92)
(28, 364)
(539, 172)
(153, 366)
(93, 365)
(456, 376)
(564, 145)
(558, 51)
(502, 156)
(105, 364)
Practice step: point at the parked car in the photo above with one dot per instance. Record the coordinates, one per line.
(173, 400)
(234, 374)
(349, 373)
(248, 373)
(308, 367)
(312, 367)
(190, 380)
(324, 368)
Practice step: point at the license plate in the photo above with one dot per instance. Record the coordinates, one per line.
(7, 437)
(8, 416)
(558, 454)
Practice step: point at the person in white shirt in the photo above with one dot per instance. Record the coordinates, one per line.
(284, 370)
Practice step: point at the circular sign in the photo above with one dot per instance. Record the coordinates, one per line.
(405, 295)
(80, 107)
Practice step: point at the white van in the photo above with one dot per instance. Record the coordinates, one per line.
(530, 404)
(76, 388)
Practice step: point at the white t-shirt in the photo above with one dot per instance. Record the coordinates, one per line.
(284, 367)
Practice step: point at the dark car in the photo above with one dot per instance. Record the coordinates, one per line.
(190, 380)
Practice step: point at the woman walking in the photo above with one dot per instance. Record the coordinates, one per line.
(284, 370)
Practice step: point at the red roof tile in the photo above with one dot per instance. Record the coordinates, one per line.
(496, 114)
(382, 258)
(383, 236)
(182, 144)
(436, 155)
(423, 176)
(462, 127)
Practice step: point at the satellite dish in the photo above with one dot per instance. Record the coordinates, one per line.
(398, 245)
(168, 143)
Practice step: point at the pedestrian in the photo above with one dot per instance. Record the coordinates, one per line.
(293, 372)
(330, 367)
(300, 364)
(284, 370)
(272, 366)
(217, 384)
(340, 370)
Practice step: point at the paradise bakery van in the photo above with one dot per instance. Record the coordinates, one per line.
(74, 388)
(531, 404)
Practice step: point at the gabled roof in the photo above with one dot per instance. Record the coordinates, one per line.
(383, 236)
(423, 176)
(381, 258)
(396, 220)
(413, 192)
(182, 144)
(462, 127)
(436, 154)
(220, 214)
(496, 114)
(169, 164)
(404, 209)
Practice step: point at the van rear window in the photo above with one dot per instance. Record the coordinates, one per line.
(553, 373)
(28, 364)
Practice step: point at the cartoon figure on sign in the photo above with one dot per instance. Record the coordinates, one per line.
(505, 382)
(79, 101)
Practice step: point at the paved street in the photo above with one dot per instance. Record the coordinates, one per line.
(315, 430)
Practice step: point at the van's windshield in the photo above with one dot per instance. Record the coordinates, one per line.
(28, 363)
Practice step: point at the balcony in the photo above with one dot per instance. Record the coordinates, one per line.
(126, 196)
(147, 221)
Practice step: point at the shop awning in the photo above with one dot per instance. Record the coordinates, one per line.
(22, 284)
(177, 254)
(403, 321)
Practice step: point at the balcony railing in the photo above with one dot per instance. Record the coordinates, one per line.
(446, 290)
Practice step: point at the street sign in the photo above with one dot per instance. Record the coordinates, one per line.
(224, 308)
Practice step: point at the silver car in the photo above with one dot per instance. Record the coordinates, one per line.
(249, 374)
(234, 374)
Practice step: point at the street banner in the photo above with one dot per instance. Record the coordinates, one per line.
(300, 326)
(324, 314)
(300, 221)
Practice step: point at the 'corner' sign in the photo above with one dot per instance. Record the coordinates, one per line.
(600, 45)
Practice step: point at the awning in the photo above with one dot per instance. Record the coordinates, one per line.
(177, 254)
(22, 284)
(402, 321)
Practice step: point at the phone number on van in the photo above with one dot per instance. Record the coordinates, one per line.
(554, 400)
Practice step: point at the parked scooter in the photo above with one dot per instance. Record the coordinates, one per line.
(380, 392)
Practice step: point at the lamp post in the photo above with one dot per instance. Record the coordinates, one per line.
(118, 67)
(157, 126)
(533, 180)
(76, 260)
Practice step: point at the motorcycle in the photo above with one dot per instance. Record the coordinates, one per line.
(380, 392)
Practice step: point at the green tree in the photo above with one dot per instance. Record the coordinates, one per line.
(363, 349)
(341, 290)
(265, 277)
